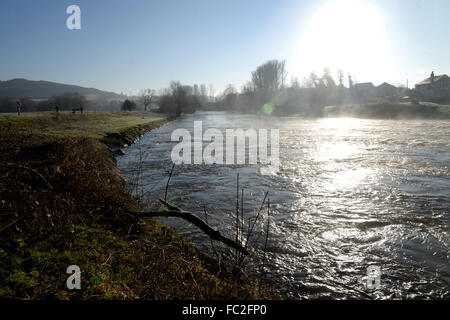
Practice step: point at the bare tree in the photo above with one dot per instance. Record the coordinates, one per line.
(314, 80)
(211, 92)
(248, 87)
(328, 78)
(203, 91)
(146, 97)
(270, 76)
(189, 90)
(178, 93)
(229, 88)
(294, 83)
(196, 90)
(350, 81)
(341, 77)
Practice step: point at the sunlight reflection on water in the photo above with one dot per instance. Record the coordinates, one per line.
(349, 193)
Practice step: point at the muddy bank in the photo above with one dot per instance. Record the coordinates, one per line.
(116, 141)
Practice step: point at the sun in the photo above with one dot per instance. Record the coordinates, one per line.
(349, 35)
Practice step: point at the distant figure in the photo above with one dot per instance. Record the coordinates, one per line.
(19, 107)
(56, 109)
(81, 110)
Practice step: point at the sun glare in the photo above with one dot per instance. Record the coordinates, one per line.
(345, 34)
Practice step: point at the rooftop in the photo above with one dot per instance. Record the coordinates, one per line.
(387, 85)
(428, 80)
(364, 84)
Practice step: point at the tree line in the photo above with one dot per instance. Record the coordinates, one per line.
(268, 86)
(173, 100)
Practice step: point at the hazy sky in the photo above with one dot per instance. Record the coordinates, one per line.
(124, 46)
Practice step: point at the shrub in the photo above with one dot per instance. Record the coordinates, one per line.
(129, 105)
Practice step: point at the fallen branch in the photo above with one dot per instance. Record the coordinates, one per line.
(172, 211)
(11, 165)
(10, 224)
(168, 180)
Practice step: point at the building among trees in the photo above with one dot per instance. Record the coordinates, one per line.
(434, 88)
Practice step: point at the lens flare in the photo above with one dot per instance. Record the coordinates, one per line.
(268, 108)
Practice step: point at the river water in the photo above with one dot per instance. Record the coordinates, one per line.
(349, 194)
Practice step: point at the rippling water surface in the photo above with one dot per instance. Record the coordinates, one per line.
(350, 193)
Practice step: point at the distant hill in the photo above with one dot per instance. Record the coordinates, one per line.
(19, 88)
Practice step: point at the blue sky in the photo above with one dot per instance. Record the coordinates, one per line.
(124, 46)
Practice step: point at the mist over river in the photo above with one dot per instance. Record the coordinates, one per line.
(349, 194)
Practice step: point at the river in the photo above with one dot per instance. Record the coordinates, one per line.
(349, 194)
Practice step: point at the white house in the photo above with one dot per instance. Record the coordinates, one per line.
(364, 90)
(434, 88)
(386, 91)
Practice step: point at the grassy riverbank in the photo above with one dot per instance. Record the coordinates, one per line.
(62, 202)
(65, 124)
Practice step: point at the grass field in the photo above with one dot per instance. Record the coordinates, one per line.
(65, 124)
